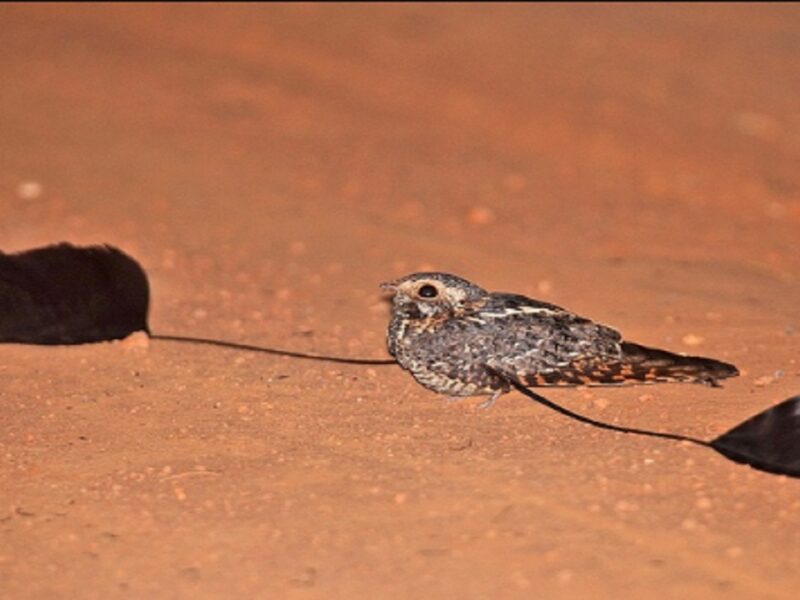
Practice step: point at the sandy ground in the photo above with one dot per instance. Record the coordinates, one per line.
(269, 166)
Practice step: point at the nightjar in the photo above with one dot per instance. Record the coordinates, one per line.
(456, 338)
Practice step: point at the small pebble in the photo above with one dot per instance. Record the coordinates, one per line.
(138, 340)
(29, 190)
(544, 287)
(625, 506)
(763, 381)
(703, 503)
(480, 215)
(691, 339)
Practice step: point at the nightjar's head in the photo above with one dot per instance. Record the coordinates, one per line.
(422, 295)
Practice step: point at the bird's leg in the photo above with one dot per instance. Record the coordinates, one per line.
(489, 402)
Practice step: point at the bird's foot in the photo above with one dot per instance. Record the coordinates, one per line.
(489, 402)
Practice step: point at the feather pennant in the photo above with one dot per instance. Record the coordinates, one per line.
(769, 441)
(63, 294)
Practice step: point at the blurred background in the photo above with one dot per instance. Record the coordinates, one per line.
(269, 165)
(521, 145)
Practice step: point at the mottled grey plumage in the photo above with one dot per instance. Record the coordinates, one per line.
(456, 338)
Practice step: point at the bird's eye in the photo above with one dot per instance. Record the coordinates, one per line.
(428, 291)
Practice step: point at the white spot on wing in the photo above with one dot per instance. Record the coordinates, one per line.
(509, 312)
(522, 310)
(537, 310)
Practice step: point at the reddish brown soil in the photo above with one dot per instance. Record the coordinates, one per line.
(269, 166)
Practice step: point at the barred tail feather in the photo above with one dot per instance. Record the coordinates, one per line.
(641, 363)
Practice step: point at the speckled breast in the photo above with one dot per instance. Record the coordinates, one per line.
(445, 357)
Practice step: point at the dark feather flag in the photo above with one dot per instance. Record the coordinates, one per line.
(769, 441)
(68, 295)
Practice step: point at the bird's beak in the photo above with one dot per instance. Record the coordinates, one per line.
(389, 286)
